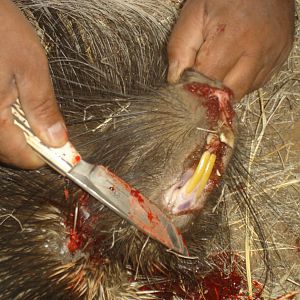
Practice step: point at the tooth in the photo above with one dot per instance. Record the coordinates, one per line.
(198, 172)
(227, 137)
(210, 138)
(206, 175)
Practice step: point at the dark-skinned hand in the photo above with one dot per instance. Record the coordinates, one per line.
(240, 42)
(24, 74)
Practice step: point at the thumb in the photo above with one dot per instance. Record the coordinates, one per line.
(39, 104)
(185, 40)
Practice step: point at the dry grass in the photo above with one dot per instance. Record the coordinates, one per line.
(272, 118)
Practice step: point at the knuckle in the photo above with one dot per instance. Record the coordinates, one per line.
(34, 61)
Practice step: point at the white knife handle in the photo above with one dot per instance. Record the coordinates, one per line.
(61, 159)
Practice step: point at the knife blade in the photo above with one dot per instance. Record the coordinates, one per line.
(106, 187)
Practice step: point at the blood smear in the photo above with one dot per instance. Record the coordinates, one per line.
(136, 194)
(76, 159)
(219, 284)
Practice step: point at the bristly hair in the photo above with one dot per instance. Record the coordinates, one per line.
(107, 60)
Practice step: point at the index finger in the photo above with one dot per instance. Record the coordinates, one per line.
(185, 40)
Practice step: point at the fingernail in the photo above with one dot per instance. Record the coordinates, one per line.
(174, 72)
(56, 135)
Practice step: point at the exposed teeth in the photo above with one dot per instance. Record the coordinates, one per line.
(202, 173)
(198, 172)
(227, 137)
(206, 174)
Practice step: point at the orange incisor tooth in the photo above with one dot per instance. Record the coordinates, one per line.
(206, 175)
(198, 172)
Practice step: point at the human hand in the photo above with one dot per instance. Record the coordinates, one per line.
(242, 43)
(24, 74)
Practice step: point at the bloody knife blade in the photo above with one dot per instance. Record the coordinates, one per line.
(106, 187)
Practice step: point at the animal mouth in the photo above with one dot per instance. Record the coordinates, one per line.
(185, 198)
(189, 194)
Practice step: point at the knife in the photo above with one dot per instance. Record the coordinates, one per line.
(106, 187)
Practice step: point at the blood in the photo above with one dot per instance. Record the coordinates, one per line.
(218, 109)
(140, 212)
(219, 285)
(224, 282)
(66, 193)
(76, 159)
(136, 194)
(213, 109)
(205, 93)
(66, 189)
(217, 101)
(150, 216)
(258, 287)
(153, 219)
(82, 235)
(83, 200)
(74, 242)
(155, 226)
(226, 106)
